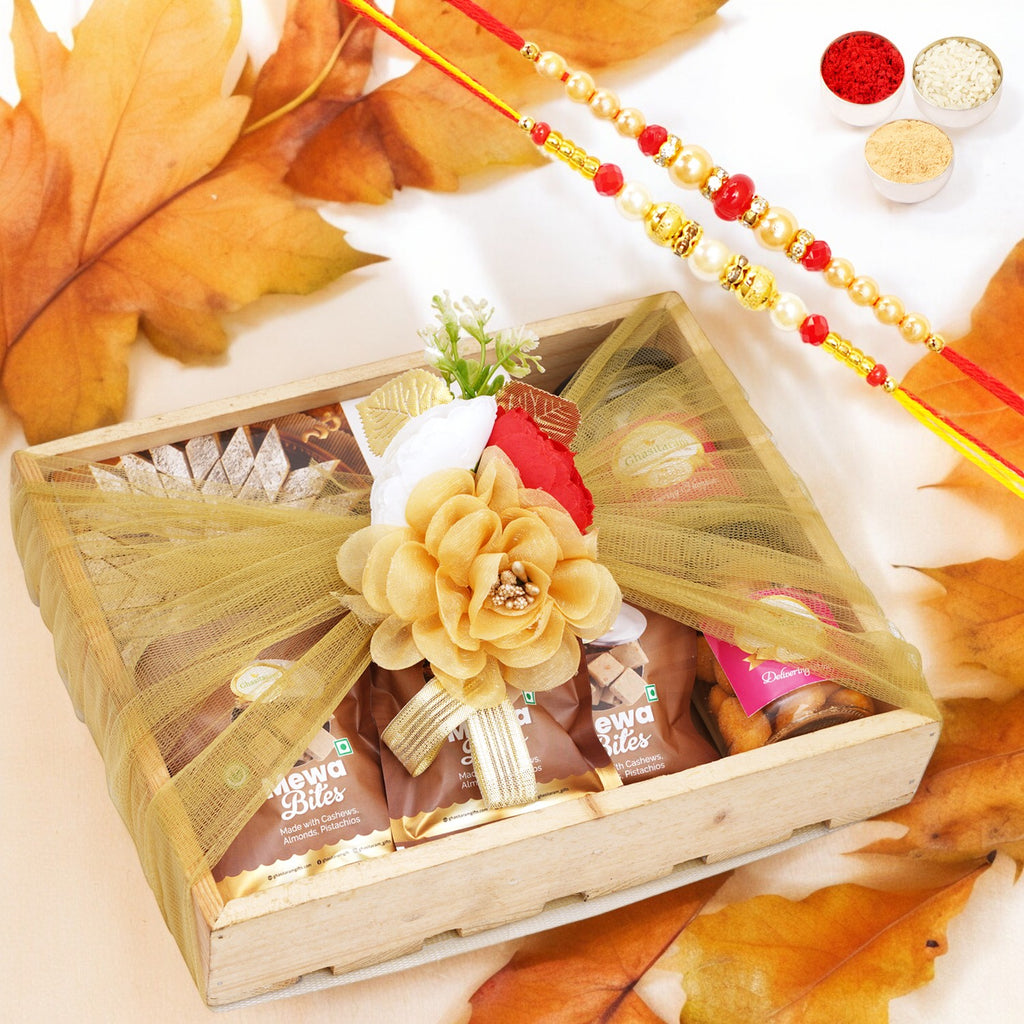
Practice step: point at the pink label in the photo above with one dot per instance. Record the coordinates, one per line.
(757, 681)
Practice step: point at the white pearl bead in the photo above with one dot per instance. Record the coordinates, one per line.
(551, 65)
(604, 104)
(789, 311)
(579, 87)
(630, 122)
(633, 201)
(708, 259)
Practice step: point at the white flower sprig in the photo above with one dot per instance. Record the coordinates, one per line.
(475, 377)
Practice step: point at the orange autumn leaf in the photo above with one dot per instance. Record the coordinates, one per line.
(424, 130)
(984, 606)
(129, 198)
(971, 799)
(839, 955)
(587, 972)
(992, 342)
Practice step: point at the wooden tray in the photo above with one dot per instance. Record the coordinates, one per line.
(532, 871)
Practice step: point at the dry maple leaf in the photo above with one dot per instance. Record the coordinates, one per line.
(992, 342)
(984, 602)
(127, 197)
(426, 131)
(836, 957)
(586, 973)
(971, 799)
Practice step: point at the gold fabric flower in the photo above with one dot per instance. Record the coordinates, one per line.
(491, 583)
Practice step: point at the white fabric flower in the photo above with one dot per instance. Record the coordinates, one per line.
(449, 436)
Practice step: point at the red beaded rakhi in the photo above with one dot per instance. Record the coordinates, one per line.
(733, 198)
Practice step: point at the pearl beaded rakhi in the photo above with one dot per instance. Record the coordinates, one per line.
(733, 198)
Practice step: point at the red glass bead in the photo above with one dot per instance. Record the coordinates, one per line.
(814, 329)
(539, 132)
(877, 375)
(818, 255)
(651, 139)
(608, 180)
(733, 198)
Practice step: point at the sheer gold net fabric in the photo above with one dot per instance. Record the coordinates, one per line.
(155, 601)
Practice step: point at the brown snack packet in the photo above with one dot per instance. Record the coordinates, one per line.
(642, 674)
(558, 727)
(328, 811)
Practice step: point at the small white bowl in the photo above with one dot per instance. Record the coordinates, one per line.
(860, 115)
(951, 117)
(903, 191)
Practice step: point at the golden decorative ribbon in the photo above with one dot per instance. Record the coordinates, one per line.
(416, 733)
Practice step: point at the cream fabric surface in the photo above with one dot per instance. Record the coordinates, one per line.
(83, 934)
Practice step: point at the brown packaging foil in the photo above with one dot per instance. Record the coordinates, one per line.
(328, 811)
(642, 682)
(568, 759)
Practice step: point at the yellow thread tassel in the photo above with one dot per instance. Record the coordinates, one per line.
(380, 19)
(1010, 479)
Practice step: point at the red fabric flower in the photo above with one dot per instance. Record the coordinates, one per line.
(543, 463)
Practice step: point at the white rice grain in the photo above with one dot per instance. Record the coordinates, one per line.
(956, 74)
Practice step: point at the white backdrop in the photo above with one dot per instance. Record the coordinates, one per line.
(83, 936)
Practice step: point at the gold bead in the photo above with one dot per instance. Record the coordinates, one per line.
(889, 310)
(914, 328)
(590, 166)
(777, 228)
(732, 273)
(865, 365)
(691, 167)
(831, 342)
(686, 241)
(579, 87)
(527, 123)
(936, 342)
(890, 385)
(863, 291)
(839, 273)
(578, 157)
(713, 182)
(531, 51)
(754, 213)
(757, 289)
(566, 149)
(663, 221)
(552, 142)
(797, 248)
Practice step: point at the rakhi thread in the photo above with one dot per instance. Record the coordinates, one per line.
(667, 225)
(735, 199)
(408, 40)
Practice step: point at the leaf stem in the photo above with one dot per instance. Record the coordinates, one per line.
(310, 89)
(89, 262)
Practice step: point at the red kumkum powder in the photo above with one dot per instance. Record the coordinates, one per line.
(862, 67)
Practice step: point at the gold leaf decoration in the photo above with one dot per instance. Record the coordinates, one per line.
(557, 417)
(385, 411)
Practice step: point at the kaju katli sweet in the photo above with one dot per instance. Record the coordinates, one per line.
(710, 259)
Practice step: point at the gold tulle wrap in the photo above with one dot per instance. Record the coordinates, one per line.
(155, 601)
